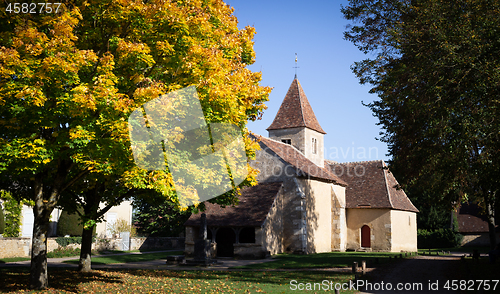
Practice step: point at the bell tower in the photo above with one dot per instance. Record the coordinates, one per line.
(296, 124)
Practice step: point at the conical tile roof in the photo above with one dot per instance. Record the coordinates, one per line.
(295, 111)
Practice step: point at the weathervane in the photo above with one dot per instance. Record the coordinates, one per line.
(295, 65)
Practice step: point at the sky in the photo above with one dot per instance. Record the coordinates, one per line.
(314, 30)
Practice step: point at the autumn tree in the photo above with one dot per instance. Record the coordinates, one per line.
(436, 74)
(155, 217)
(84, 200)
(70, 78)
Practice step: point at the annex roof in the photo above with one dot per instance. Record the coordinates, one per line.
(295, 111)
(471, 219)
(298, 160)
(370, 184)
(254, 204)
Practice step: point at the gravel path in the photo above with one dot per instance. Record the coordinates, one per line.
(421, 274)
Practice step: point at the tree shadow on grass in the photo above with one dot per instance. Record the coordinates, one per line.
(322, 260)
(268, 277)
(17, 279)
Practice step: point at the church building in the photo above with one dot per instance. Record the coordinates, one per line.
(306, 204)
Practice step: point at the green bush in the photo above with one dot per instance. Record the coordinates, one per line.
(442, 238)
(65, 241)
(12, 216)
(69, 224)
(2, 220)
(63, 252)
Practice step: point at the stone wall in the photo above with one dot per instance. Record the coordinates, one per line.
(21, 247)
(271, 233)
(379, 221)
(476, 239)
(249, 251)
(15, 247)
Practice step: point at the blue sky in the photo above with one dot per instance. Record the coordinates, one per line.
(314, 30)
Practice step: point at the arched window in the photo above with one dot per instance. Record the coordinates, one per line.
(365, 236)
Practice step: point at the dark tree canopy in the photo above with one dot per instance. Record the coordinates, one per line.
(436, 73)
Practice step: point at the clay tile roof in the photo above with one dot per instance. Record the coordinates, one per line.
(371, 185)
(252, 209)
(295, 158)
(295, 111)
(471, 220)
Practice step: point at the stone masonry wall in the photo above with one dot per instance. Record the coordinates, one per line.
(21, 247)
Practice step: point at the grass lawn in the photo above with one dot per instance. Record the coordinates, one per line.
(113, 258)
(466, 249)
(165, 281)
(324, 260)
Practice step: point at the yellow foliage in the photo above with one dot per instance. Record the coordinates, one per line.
(74, 77)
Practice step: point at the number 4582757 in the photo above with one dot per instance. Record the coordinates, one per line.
(33, 7)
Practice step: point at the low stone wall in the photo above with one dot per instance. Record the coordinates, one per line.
(15, 247)
(249, 251)
(478, 239)
(154, 243)
(21, 247)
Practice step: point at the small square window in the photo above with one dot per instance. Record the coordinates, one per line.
(287, 141)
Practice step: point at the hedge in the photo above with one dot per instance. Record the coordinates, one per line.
(442, 238)
(69, 224)
(2, 220)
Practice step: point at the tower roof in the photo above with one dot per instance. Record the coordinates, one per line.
(295, 111)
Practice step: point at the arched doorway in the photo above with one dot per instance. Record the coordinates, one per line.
(365, 236)
(225, 239)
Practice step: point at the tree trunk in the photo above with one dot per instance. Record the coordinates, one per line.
(490, 212)
(85, 264)
(38, 273)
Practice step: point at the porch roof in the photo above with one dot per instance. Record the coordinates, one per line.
(251, 211)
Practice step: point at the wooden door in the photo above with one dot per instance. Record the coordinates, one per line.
(365, 236)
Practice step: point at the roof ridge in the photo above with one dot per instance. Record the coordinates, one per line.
(285, 144)
(387, 188)
(324, 170)
(300, 102)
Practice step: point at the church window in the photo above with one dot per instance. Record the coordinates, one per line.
(314, 146)
(287, 141)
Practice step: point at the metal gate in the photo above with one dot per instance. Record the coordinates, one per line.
(125, 244)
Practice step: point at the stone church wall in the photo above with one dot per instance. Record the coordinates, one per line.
(294, 225)
(404, 231)
(319, 157)
(301, 138)
(271, 234)
(379, 221)
(297, 135)
(318, 215)
(272, 168)
(339, 226)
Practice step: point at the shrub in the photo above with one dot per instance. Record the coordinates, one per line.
(122, 225)
(63, 252)
(442, 238)
(2, 220)
(69, 224)
(65, 241)
(12, 215)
